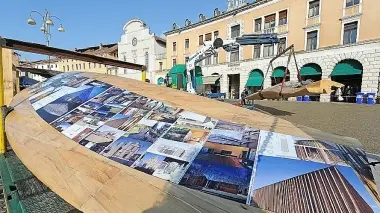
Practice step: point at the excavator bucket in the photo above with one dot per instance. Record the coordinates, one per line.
(315, 88)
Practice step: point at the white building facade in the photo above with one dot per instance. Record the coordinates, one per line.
(139, 45)
(43, 64)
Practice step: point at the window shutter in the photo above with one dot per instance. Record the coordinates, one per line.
(201, 40)
(314, 4)
(283, 14)
(351, 26)
(208, 37)
(270, 18)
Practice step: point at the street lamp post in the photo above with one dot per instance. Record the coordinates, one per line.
(47, 23)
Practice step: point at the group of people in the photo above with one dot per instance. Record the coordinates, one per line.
(346, 93)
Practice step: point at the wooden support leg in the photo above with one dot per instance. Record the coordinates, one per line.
(2, 135)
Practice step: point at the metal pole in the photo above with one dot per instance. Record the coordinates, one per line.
(143, 75)
(2, 130)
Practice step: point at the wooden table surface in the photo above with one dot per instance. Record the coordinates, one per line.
(93, 183)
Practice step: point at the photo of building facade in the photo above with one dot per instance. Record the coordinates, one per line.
(325, 190)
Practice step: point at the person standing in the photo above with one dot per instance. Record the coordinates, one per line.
(243, 96)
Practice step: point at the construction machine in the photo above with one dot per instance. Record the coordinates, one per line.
(210, 48)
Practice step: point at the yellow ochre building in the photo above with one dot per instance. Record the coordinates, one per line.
(333, 39)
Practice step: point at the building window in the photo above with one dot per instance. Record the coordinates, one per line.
(234, 55)
(312, 40)
(100, 65)
(80, 66)
(72, 67)
(256, 51)
(200, 40)
(42, 66)
(216, 34)
(187, 43)
(160, 66)
(282, 45)
(76, 66)
(268, 50)
(350, 3)
(208, 37)
(89, 65)
(269, 23)
(84, 66)
(258, 25)
(313, 8)
(208, 61)
(235, 31)
(64, 68)
(350, 33)
(216, 58)
(174, 61)
(56, 66)
(283, 17)
(186, 59)
(174, 46)
(68, 68)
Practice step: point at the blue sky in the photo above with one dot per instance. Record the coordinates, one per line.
(90, 22)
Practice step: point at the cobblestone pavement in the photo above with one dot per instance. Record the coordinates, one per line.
(353, 120)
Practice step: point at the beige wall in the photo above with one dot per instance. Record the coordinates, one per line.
(85, 66)
(164, 64)
(330, 34)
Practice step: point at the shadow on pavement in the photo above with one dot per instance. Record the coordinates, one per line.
(188, 201)
(273, 111)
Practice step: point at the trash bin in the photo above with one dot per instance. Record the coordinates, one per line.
(359, 97)
(371, 98)
(299, 98)
(306, 98)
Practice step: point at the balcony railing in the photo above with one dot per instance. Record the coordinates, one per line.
(161, 56)
(353, 10)
(278, 29)
(269, 30)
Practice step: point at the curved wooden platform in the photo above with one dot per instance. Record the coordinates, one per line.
(93, 183)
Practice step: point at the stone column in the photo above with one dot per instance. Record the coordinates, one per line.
(224, 84)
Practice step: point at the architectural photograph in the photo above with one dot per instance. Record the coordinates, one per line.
(221, 170)
(246, 138)
(98, 140)
(186, 135)
(313, 185)
(180, 151)
(163, 116)
(162, 167)
(194, 120)
(148, 131)
(124, 99)
(126, 150)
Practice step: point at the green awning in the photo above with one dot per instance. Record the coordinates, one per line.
(160, 81)
(311, 69)
(179, 68)
(278, 72)
(255, 79)
(347, 67)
